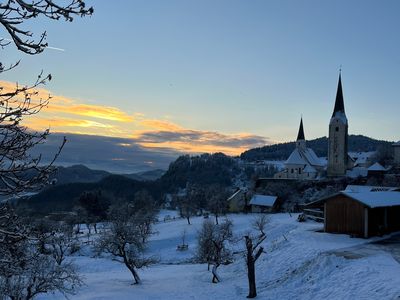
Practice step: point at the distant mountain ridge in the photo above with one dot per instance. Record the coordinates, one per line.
(83, 174)
(356, 143)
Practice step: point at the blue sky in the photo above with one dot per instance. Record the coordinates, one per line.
(232, 67)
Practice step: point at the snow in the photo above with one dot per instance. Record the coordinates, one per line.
(304, 157)
(299, 263)
(368, 188)
(295, 158)
(263, 200)
(377, 167)
(357, 172)
(375, 199)
(362, 158)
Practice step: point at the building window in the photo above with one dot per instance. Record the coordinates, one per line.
(291, 170)
(337, 128)
(299, 170)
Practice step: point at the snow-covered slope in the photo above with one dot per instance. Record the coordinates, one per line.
(299, 263)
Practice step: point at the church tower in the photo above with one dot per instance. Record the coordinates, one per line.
(338, 136)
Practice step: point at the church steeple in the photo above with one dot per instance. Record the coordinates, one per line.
(300, 135)
(339, 103)
(301, 140)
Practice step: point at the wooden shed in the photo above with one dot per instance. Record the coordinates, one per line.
(361, 214)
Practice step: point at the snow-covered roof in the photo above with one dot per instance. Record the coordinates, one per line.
(312, 158)
(369, 188)
(357, 172)
(362, 157)
(304, 157)
(295, 158)
(263, 200)
(397, 144)
(371, 196)
(375, 199)
(377, 167)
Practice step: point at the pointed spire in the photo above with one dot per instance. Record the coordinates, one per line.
(339, 103)
(300, 135)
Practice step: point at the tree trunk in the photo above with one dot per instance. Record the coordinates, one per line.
(215, 278)
(251, 274)
(216, 219)
(188, 220)
(136, 276)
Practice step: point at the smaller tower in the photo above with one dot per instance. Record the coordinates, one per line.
(301, 141)
(338, 136)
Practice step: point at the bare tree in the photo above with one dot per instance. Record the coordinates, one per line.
(186, 207)
(39, 274)
(260, 222)
(124, 240)
(25, 272)
(253, 252)
(217, 201)
(212, 245)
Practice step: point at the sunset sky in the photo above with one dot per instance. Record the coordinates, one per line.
(206, 76)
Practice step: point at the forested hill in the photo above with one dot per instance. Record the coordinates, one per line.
(320, 146)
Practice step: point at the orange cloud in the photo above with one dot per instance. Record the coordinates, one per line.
(161, 125)
(68, 115)
(61, 104)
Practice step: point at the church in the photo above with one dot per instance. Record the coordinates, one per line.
(303, 163)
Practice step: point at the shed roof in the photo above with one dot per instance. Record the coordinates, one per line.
(369, 188)
(371, 196)
(263, 200)
(376, 199)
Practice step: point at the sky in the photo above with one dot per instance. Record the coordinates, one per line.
(228, 75)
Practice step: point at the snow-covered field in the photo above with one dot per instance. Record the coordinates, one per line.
(298, 264)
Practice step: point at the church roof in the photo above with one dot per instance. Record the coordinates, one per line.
(304, 157)
(300, 135)
(296, 158)
(339, 102)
